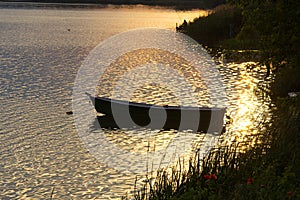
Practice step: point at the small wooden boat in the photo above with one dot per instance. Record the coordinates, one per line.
(177, 117)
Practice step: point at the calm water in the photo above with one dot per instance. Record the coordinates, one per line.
(40, 53)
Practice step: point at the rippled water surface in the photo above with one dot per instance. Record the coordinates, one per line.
(40, 53)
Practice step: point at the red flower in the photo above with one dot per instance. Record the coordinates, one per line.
(213, 176)
(206, 176)
(290, 193)
(250, 180)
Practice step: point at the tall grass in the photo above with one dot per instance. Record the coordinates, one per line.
(269, 169)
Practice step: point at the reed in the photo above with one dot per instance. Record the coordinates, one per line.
(269, 169)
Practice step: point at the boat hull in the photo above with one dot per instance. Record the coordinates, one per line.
(197, 119)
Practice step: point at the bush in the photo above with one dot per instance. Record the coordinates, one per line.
(223, 23)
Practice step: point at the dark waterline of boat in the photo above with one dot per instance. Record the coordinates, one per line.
(207, 119)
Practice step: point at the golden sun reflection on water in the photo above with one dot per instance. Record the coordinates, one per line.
(151, 93)
(144, 141)
(42, 49)
(247, 106)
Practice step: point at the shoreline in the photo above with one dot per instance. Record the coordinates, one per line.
(44, 5)
(98, 4)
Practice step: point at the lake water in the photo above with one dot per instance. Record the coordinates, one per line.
(41, 50)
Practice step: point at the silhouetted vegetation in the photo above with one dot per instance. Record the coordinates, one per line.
(224, 22)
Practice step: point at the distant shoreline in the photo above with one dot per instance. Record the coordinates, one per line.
(44, 5)
(177, 5)
(4, 4)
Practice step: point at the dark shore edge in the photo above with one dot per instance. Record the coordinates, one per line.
(90, 4)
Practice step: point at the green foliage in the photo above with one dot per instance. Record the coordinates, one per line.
(273, 26)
